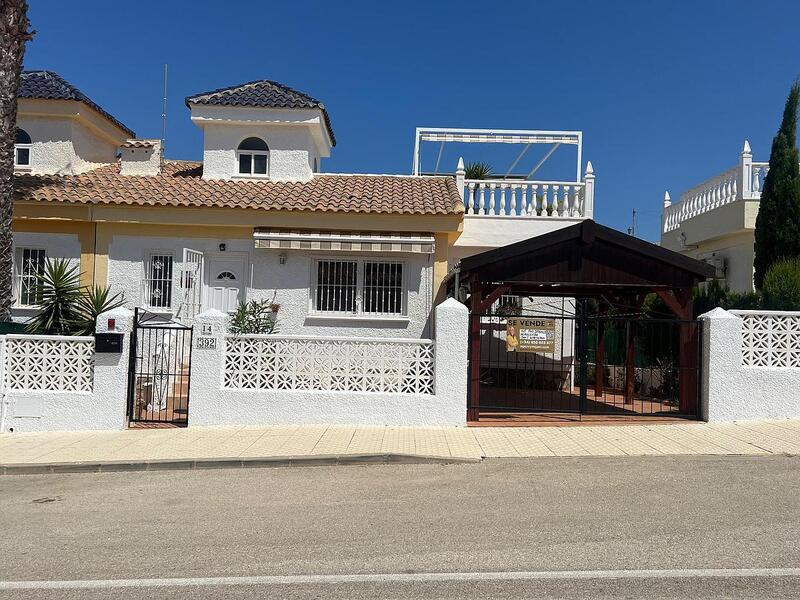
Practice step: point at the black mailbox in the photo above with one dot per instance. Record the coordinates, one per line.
(108, 343)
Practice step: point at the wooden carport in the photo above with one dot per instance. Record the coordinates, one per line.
(586, 260)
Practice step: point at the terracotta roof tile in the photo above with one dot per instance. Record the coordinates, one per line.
(181, 184)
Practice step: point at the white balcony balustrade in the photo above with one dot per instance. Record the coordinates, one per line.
(527, 199)
(743, 182)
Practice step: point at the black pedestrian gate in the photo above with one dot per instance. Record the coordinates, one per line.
(159, 370)
(612, 365)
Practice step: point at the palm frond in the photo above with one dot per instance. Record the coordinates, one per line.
(478, 170)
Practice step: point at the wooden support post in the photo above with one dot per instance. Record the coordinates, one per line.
(473, 412)
(680, 302)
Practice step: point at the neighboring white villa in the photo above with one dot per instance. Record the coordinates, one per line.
(715, 220)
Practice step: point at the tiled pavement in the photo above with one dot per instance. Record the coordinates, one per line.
(746, 437)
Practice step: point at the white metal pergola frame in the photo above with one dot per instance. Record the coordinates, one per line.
(528, 137)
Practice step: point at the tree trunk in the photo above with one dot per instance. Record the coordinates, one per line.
(14, 26)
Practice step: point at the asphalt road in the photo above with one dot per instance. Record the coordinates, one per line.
(661, 527)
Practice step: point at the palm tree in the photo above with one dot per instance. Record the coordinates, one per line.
(14, 32)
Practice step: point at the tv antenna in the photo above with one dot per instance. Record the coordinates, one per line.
(164, 116)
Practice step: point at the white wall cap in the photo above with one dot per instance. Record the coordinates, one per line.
(123, 317)
(453, 304)
(212, 314)
(718, 313)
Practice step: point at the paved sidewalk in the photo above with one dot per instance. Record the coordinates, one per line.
(247, 443)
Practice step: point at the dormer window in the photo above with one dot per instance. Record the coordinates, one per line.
(252, 157)
(22, 149)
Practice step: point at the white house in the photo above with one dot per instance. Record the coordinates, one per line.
(356, 263)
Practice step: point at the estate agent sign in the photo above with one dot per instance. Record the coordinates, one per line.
(531, 335)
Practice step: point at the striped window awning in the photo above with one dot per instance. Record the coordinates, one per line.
(344, 241)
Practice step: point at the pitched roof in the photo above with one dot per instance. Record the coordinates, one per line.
(589, 254)
(263, 93)
(181, 184)
(47, 85)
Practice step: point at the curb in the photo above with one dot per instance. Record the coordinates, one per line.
(191, 464)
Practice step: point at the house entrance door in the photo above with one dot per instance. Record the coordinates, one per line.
(225, 283)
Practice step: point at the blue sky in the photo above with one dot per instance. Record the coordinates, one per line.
(665, 92)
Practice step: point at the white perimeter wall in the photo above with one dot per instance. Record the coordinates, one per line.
(732, 391)
(102, 408)
(211, 404)
(292, 281)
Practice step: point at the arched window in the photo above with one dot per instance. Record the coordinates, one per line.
(252, 156)
(22, 149)
(226, 276)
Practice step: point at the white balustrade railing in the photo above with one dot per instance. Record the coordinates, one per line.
(49, 363)
(341, 364)
(501, 197)
(760, 170)
(770, 338)
(743, 182)
(715, 192)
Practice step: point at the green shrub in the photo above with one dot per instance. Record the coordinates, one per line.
(782, 285)
(743, 301)
(254, 317)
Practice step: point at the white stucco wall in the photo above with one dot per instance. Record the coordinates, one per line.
(62, 145)
(104, 408)
(291, 150)
(265, 275)
(735, 247)
(210, 404)
(731, 391)
(483, 232)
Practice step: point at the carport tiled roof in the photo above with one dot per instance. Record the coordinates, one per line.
(47, 85)
(181, 184)
(262, 93)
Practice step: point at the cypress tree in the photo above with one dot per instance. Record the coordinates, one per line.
(777, 233)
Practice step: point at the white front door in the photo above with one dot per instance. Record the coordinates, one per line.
(225, 284)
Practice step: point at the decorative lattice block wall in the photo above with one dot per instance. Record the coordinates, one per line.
(770, 339)
(50, 363)
(329, 364)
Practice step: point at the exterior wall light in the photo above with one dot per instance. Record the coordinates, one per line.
(222, 247)
(282, 258)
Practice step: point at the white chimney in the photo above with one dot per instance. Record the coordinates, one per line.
(140, 157)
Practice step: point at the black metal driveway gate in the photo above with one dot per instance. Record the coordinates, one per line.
(613, 365)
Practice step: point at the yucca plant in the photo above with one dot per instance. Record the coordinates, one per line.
(478, 170)
(58, 289)
(93, 301)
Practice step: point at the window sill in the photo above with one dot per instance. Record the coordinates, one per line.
(250, 177)
(22, 168)
(376, 319)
